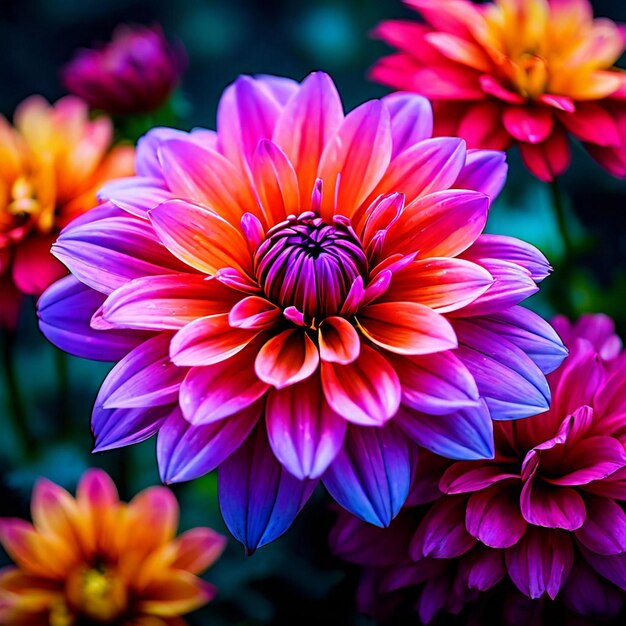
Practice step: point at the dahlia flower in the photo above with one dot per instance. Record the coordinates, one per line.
(302, 295)
(53, 161)
(523, 72)
(136, 72)
(96, 560)
(546, 513)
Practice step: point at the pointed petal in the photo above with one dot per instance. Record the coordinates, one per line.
(254, 312)
(371, 474)
(304, 432)
(338, 341)
(604, 530)
(411, 120)
(259, 498)
(136, 194)
(185, 452)
(484, 171)
(469, 476)
(366, 391)
(287, 358)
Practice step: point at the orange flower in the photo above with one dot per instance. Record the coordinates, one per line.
(53, 162)
(96, 560)
(525, 72)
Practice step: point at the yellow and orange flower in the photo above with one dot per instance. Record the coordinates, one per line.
(96, 560)
(52, 163)
(525, 72)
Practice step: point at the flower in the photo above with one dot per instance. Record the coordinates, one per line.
(96, 560)
(53, 161)
(547, 512)
(524, 72)
(301, 295)
(136, 72)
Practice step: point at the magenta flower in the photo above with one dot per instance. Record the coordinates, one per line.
(302, 295)
(136, 72)
(546, 512)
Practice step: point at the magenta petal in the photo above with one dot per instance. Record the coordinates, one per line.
(115, 428)
(604, 530)
(493, 515)
(185, 452)
(552, 507)
(437, 383)
(147, 160)
(65, 310)
(107, 253)
(136, 194)
(529, 124)
(484, 171)
(338, 341)
(304, 432)
(483, 569)
(469, 476)
(259, 498)
(144, 377)
(411, 120)
(211, 393)
(166, 302)
(370, 476)
(587, 594)
(541, 562)
(611, 567)
(441, 533)
(465, 434)
(366, 391)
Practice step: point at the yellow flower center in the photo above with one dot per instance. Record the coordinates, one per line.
(60, 615)
(530, 75)
(23, 198)
(96, 594)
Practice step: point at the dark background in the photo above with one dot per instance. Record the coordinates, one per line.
(293, 581)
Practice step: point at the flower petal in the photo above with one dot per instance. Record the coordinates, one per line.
(371, 474)
(552, 507)
(529, 124)
(366, 391)
(136, 194)
(304, 432)
(484, 171)
(287, 358)
(411, 120)
(185, 452)
(338, 341)
(259, 498)
(604, 530)
(406, 328)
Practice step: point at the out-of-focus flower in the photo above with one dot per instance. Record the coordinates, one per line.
(52, 163)
(525, 72)
(547, 511)
(136, 72)
(302, 295)
(96, 560)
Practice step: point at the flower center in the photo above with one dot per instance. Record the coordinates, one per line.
(310, 264)
(96, 595)
(531, 75)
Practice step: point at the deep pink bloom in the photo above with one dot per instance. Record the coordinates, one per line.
(302, 295)
(136, 72)
(516, 72)
(547, 511)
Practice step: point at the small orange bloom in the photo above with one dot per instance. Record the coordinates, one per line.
(96, 560)
(52, 163)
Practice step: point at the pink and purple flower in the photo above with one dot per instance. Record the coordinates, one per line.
(546, 513)
(303, 295)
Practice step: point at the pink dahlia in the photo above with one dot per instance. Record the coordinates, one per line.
(302, 295)
(136, 72)
(516, 72)
(546, 513)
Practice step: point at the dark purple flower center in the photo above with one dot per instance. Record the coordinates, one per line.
(310, 264)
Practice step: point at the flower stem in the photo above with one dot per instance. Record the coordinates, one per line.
(563, 284)
(16, 413)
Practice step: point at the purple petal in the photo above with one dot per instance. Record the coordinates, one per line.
(587, 594)
(107, 253)
(482, 569)
(604, 530)
(466, 434)
(185, 451)
(115, 428)
(147, 160)
(441, 534)
(370, 477)
(65, 310)
(411, 120)
(304, 432)
(259, 498)
(540, 562)
(136, 194)
(484, 171)
(511, 384)
(611, 567)
(145, 377)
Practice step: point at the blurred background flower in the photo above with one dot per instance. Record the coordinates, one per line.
(53, 161)
(524, 72)
(96, 560)
(136, 72)
(547, 511)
